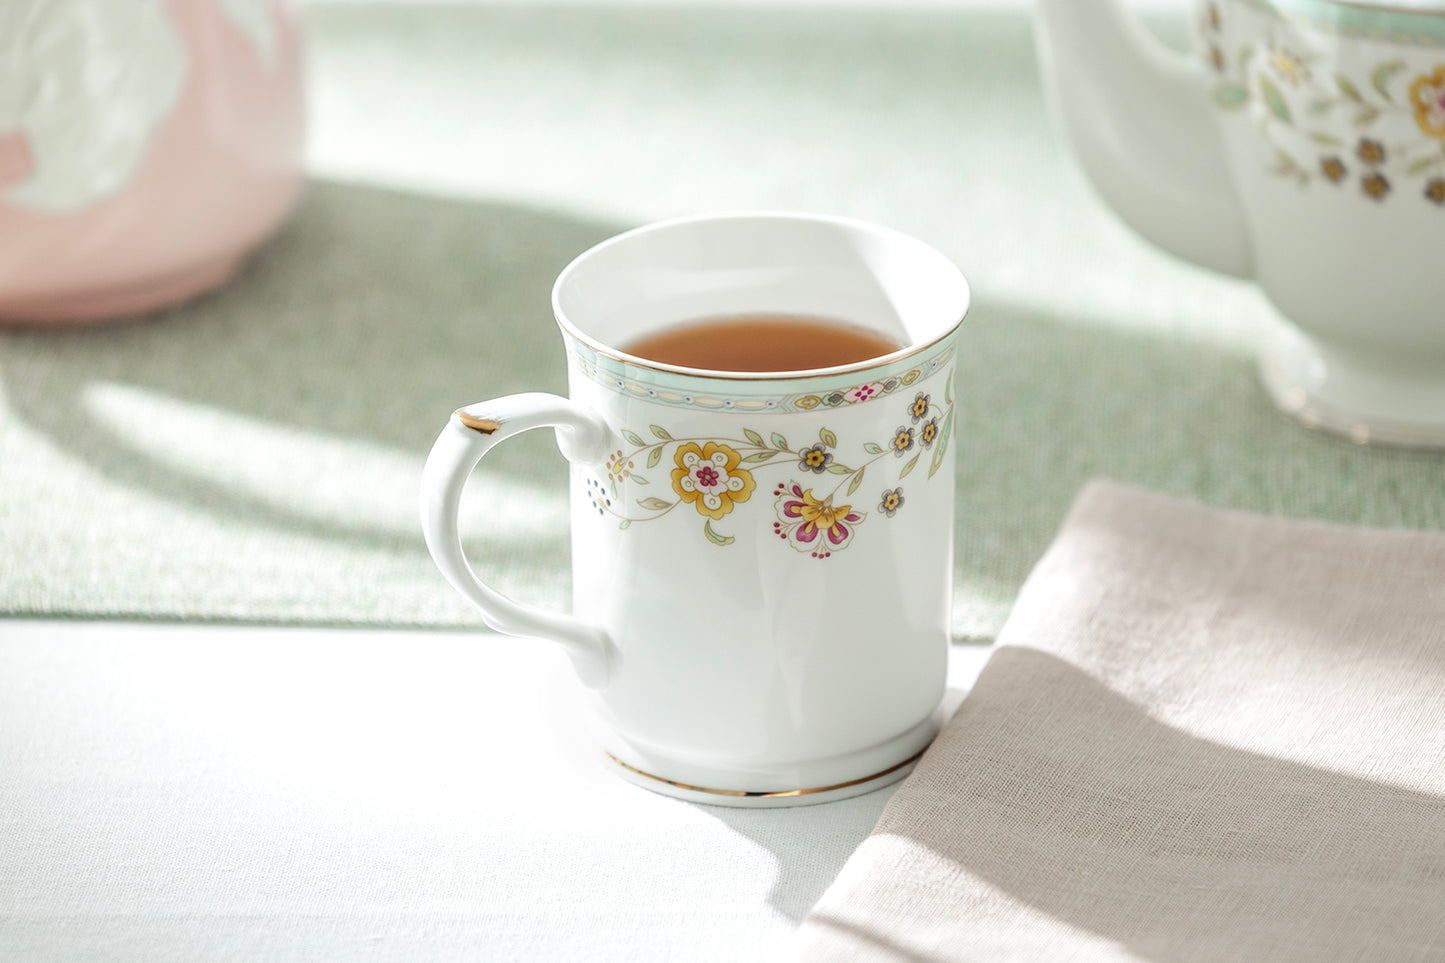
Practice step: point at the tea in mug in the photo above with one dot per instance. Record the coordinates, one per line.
(762, 342)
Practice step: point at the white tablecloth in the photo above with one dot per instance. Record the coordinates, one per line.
(184, 792)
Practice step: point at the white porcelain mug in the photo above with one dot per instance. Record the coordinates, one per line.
(762, 562)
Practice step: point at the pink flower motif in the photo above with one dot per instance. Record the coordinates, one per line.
(863, 392)
(812, 525)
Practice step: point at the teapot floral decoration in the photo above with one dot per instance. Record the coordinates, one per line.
(1304, 147)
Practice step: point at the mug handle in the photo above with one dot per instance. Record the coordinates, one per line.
(469, 434)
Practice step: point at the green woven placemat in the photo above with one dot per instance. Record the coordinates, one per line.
(256, 455)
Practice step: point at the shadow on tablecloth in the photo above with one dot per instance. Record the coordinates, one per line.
(284, 418)
(256, 455)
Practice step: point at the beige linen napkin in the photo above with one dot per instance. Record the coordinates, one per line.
(1203, 735)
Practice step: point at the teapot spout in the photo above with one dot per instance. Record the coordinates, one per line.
(1138, 117)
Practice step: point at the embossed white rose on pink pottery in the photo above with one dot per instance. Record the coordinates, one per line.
(146, 148)
(1304, 146)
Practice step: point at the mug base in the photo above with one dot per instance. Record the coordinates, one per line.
(806, 785)
(1367, 400)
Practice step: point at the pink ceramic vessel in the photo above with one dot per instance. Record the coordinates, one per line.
(146, 148)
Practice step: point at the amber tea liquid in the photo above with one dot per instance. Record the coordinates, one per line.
(762, 342)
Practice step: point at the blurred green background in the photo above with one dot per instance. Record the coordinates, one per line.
(256, 455)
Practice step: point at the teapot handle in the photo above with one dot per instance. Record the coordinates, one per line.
(1139, 117)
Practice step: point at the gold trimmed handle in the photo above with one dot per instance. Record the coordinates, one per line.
(469, 434)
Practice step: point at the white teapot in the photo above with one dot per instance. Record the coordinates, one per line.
(1304, 146)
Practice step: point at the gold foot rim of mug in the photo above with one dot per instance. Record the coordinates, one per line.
(780, 794)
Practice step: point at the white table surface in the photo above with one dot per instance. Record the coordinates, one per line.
(194, 792)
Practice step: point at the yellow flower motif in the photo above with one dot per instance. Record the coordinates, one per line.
(815, 459)
(902, 440)
(1427, 93)
(1370, 151)
(1289, 65)
(823, 514)
(709, 478)
(928, 433)
(619, 466)
(1375, 186)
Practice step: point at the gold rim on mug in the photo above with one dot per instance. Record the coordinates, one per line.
(801, 374)
(602, 349)
(745, 794)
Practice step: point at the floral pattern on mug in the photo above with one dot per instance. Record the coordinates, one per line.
(815, 459)
(709, 478)
(813, 525)
(928, 434)
(1427, 94)
(863, 393)
(716, 475)
(1314, 117)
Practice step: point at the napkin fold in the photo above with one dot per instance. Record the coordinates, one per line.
(1203, 735)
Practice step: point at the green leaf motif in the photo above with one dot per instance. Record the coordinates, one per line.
(760, 456)
(1231, 96)
(909, 467)
(1274, 100)
(838, 469)
(779, 442)
(714, 537)
(942, 445)
(1326, 140)
(1348, 88)
(653, 504)
(632, 438)
(660, 432)
(625, 523)
(640, 480)
(1423, 164)
(873, 448)
(1366, 117)
(755, 438)
(654, 456)
(1380, 79)
(827, 437)
(857, 480)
